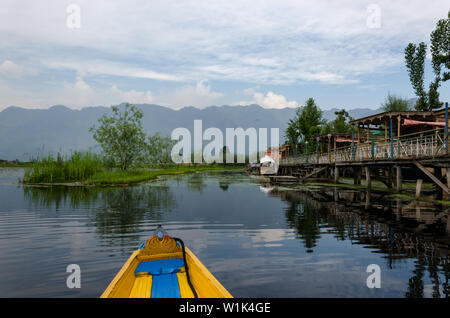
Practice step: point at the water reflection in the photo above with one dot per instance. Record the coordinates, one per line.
(350, 215)
(258, 239)
(113, 211)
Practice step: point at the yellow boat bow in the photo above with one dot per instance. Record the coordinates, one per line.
(158, 270)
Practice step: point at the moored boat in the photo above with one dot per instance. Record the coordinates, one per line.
(164, 268)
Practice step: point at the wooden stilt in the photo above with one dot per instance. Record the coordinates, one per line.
(336, 174)
(389, 179)
(418, 188)
(399, 179)
(368, 179)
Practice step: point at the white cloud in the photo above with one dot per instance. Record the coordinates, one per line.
(270, 100)
(278, 41)
(199, 95)
(11, 69)
(252, 42)
(110, 68)
(132, 96)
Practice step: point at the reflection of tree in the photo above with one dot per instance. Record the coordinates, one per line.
(308, 212)
(115, 210)
(58, 196)
(304, 219)
(415, 283)
(223, 185)
(196, 182)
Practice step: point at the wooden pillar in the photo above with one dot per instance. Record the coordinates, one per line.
(418, 188)
(368, 179)
(359, 141)
(357, 175)
(389, 177)
(329, 148)
(399, 178)
(367, 205)
(399, 120)
(334, 148)
(336, 174)
(385, 137)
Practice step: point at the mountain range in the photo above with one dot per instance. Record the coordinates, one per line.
(27, 133)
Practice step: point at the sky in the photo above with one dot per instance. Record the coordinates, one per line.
(346, 54)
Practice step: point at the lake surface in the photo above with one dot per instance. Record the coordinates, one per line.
(257, 240)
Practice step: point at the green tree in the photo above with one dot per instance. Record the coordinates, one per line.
(305, 126)
(395, 103)
(339, 125)
(415, 64)
(440, 48)
(158, 149)
(121, 136)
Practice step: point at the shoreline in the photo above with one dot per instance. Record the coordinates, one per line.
(132, 177)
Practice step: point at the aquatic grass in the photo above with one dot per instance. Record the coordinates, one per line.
(141, 175)
(78, 167)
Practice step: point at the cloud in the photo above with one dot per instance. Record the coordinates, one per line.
(270, 100)
(132, 96)
(248, 43)
(199, 95)
(276, 42)
(11, 69)
(110, 68)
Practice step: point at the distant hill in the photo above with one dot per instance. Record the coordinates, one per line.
(25, 133)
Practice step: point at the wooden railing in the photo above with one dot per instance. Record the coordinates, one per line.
(429, 143)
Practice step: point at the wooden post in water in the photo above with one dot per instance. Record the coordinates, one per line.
(418, 188)
(336, 174)
(390, 177)
(368, 179)
(357, 175)
(399, 179)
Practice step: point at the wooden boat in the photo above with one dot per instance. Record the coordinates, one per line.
(164, 268)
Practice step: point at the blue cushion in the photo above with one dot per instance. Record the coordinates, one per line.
(165, 286)
(164, 266)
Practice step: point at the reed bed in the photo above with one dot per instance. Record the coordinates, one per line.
(78, 167)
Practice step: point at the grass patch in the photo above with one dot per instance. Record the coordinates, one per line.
(140, 175)
(87, 169)
(79, 167)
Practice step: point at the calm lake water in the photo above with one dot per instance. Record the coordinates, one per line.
(257, 240)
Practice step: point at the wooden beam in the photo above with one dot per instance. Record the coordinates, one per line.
(314, 172)
(432, 176)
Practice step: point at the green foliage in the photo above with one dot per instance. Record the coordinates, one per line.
(305, 126)
(440, 48)
(158, 149)
(122, 137)
(340, 124)
(395, 103)
(415, 64)
(79, 167)
(124, 143)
